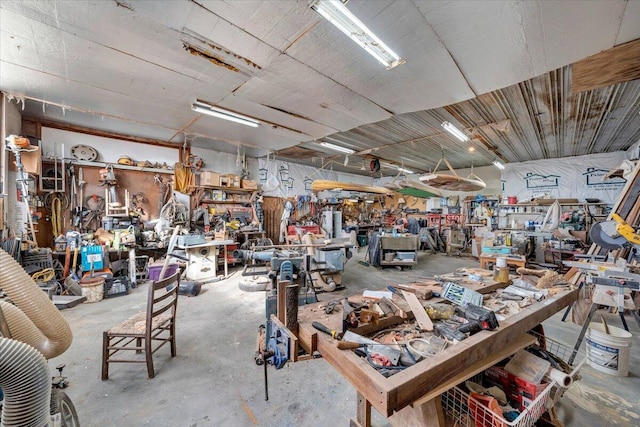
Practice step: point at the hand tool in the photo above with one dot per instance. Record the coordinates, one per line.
(322, 328)
(479, 317)
(389, 352)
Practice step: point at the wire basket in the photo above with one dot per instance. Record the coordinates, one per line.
(467, 412)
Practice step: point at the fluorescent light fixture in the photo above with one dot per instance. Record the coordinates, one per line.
(455, 131)
(211, 110)
(392, 166)
(406, 170)
(337, 147)
(337, 13)
(369, 201)
(498, 164)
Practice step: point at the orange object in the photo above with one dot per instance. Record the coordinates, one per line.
(485, 411)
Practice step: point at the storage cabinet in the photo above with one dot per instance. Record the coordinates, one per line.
(399, 250)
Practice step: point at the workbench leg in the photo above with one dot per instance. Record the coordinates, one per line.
(363, 413)
(226, 263)
(428, 414)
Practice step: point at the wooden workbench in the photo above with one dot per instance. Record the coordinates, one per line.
(411, 397)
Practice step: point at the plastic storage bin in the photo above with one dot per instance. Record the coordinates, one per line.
(156, 269)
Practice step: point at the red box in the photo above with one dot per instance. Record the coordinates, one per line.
(516, 388)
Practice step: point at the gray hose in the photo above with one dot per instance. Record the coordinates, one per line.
(36, 320)
(26, 384)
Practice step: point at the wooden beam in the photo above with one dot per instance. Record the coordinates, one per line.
(616, 65)
(30, 122)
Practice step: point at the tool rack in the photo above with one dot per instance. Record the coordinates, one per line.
(412, 397)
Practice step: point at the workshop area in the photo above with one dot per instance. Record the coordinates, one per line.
(302, 213)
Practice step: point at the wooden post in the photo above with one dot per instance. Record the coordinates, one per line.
(281, 290)
(363, 414)
(291, 309)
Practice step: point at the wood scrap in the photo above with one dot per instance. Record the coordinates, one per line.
(531, 271)
(424, 322)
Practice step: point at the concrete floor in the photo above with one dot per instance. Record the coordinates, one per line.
(214, 381)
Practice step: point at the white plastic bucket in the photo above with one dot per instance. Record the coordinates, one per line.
(609, 353)
(501, 262)
(93, 289)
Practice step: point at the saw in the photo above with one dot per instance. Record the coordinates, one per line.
(615, 234)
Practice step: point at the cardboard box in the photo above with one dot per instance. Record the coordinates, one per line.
(31, 160)
(230, 181)
(210, 178)
(249, 184)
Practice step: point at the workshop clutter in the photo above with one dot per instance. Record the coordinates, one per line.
(517, 391)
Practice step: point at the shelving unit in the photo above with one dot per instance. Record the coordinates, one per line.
(593, 212)
(471, 205)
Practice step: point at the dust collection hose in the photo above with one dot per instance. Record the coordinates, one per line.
(316, 276)
(26, 383)
(36, 320)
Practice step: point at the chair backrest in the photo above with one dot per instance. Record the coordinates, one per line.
(163, 296)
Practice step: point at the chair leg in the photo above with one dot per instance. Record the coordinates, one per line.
(174, 350)
(105, 356)
(138, 344)
(148, 351)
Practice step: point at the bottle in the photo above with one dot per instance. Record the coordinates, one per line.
(508, 239)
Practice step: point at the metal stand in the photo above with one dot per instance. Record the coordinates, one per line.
(24, 190)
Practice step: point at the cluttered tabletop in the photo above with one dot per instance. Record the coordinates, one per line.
(407, 344)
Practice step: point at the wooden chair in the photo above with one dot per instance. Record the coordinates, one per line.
(147, 331)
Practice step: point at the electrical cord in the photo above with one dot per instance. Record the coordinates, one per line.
(56, 216)
(45, 275)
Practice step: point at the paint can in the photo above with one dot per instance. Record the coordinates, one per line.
(609, 353)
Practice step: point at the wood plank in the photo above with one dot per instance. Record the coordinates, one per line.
(616, 65)
(523, 341)
(424, 321)
(427, 414)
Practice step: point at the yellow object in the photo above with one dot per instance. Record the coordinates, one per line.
(44, 275)
(183, 178)
(626, 230)
(124, 160)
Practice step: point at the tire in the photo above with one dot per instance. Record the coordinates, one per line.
(251, 286)
(61, 403)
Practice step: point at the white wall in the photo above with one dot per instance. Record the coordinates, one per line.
(109, 149)
(11, 118)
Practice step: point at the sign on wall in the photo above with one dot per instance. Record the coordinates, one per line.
(577, 177)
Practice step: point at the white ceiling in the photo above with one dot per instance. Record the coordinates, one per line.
(122, 66)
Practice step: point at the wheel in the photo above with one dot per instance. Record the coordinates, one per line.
(61, 403)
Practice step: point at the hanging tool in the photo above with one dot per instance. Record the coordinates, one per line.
(108, 178)
(74, 196)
